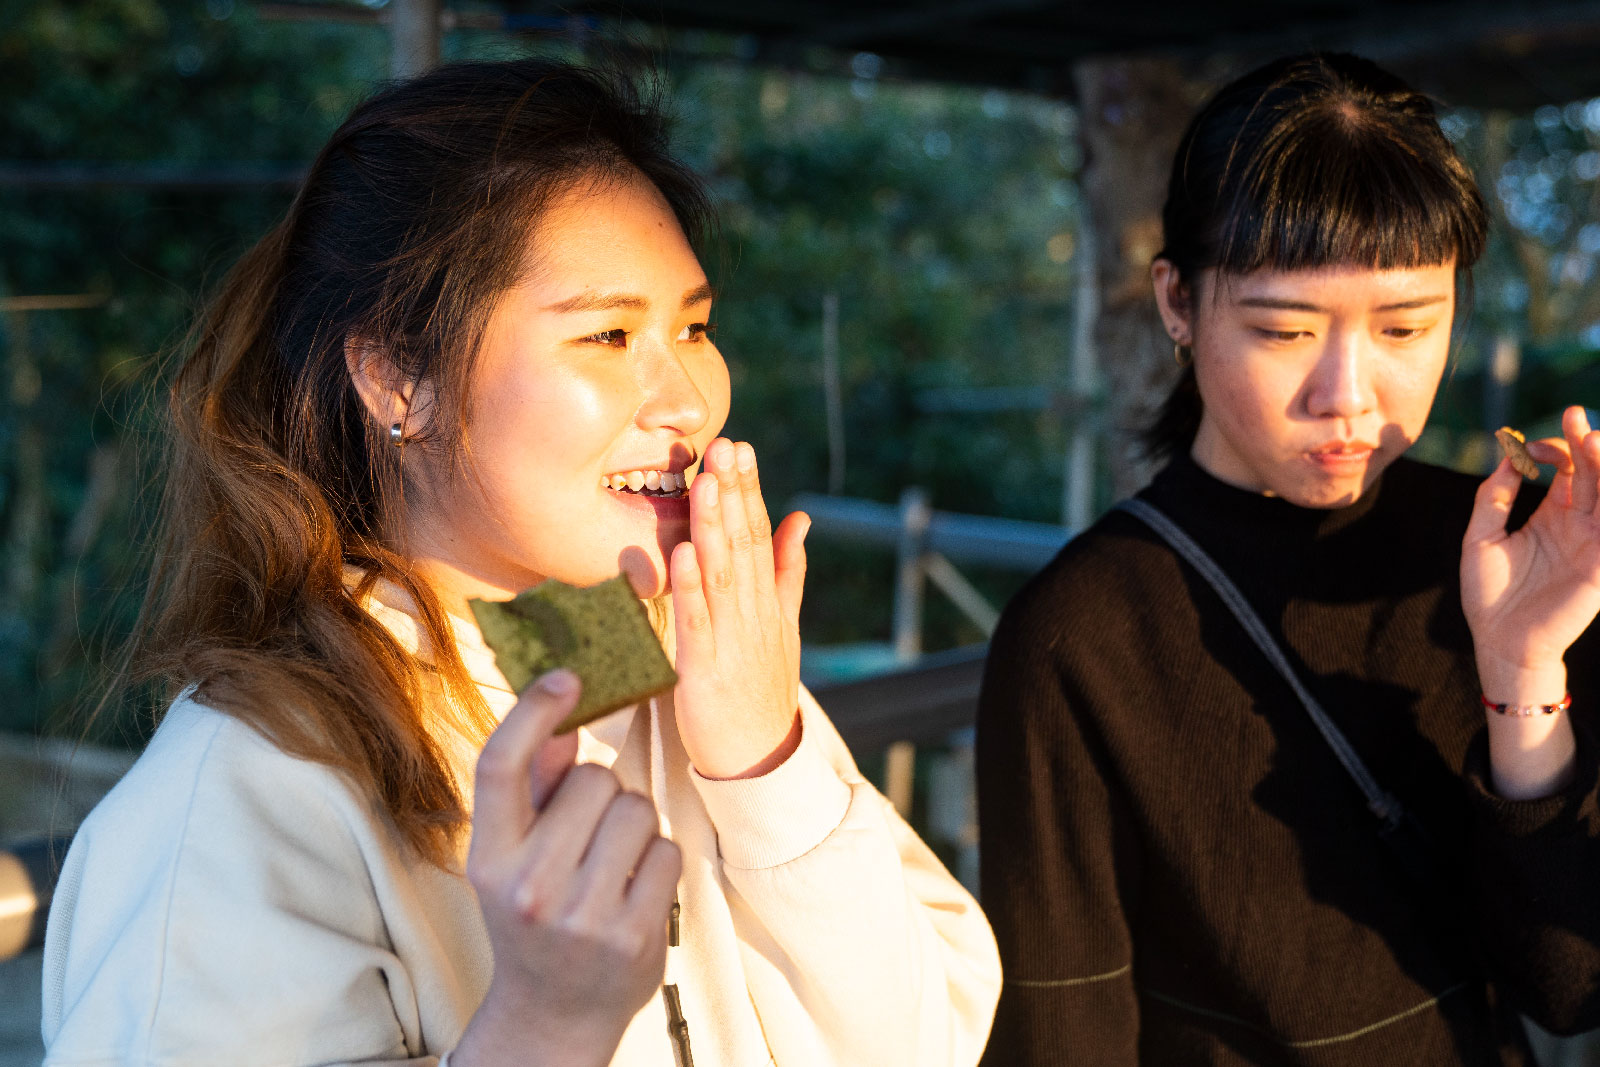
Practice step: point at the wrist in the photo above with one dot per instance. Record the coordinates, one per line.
(748, 764)
(1520, 684)
(510, 1029)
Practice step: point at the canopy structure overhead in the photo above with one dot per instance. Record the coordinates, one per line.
(1474, 53)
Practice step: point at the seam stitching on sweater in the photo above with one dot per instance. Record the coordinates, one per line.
(171, 886)
(1317, 1042)
(1062, 983)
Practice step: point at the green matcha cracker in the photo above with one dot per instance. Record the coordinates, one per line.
(601, 633)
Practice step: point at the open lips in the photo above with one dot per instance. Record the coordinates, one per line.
(649, 483)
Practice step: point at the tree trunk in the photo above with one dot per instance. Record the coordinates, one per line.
(1132, 114)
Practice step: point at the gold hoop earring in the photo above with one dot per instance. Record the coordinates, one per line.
(1182, 354)
(397, 434)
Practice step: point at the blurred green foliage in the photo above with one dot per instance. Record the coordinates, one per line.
(942, 218)
(119, 82)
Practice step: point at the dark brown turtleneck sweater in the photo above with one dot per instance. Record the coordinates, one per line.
(1177, 868)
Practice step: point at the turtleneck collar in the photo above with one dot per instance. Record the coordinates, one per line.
(1272, 548)
(1210, 508)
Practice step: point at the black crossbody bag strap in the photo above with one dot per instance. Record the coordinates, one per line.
(1381, 803)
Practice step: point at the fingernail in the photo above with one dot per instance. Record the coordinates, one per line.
(558, 683)
(724, 456)
(711, 493)
(746, 458)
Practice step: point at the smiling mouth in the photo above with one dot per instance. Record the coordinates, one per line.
(647, 483)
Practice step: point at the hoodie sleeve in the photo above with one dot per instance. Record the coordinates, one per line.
(859, 946)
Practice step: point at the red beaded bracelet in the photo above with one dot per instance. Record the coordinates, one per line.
(1526, 710)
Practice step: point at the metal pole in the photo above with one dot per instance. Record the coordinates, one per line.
(1500, 384)
(1077, 494)
(413, 37)
(832, 392)
(910, 575)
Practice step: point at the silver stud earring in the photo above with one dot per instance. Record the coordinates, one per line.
(397, 434)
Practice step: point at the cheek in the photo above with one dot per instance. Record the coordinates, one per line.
(557, 420)
(711, 379)
(1243, 392)
(1410, 384)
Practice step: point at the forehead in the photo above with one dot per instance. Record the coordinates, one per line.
(610, 233)
(1337, 286)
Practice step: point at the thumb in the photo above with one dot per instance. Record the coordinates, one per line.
(1492, 506)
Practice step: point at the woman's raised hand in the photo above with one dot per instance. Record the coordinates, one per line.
(576, 887)
(1529, 595)
(736, 589)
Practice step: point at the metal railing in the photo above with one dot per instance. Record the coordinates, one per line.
(930, 701)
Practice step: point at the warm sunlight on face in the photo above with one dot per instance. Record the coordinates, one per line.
(1314, 381)
(596, 393)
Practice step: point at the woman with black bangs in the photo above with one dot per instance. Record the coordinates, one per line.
(1274, 766)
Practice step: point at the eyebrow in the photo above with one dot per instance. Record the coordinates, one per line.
(593, 301)
(1275, 304)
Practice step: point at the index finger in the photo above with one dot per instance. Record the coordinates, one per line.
(1575, 426)
(522, 762)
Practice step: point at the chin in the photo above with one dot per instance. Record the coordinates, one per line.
(1340, 493)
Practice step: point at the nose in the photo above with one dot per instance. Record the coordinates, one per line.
(673, 397)
(1340, 385)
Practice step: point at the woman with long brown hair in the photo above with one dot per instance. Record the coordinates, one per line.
(474, 355)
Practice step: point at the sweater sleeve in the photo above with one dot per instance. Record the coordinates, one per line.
(860, 948)
(1537, 872)
(1059, 861)
(215, 908)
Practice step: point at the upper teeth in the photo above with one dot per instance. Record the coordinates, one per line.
(660, 481)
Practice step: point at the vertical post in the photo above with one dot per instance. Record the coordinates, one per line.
(899, 769)
(910, 576)
(900, 758)
(1132, 111)
(832, 392)
(1077, 492)
(28, 503)
(413, 37)
(1499, 386)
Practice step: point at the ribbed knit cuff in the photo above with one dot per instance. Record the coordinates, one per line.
(1523, 818)
(780, 816)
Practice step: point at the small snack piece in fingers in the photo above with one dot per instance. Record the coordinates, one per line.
(1515, 446)
(600, 632)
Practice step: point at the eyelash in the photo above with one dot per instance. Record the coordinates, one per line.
(1398, 333)
(697, 331)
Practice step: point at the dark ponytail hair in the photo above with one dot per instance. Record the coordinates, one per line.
(1312, 161)
(412, 221)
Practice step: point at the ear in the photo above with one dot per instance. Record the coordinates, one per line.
(1175, 299)
(386, 393)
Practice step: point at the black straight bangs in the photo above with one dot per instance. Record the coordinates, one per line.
(1332, 187)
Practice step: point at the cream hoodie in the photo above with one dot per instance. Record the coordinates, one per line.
(228, 904)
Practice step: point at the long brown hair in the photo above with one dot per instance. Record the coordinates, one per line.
(412, 220)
